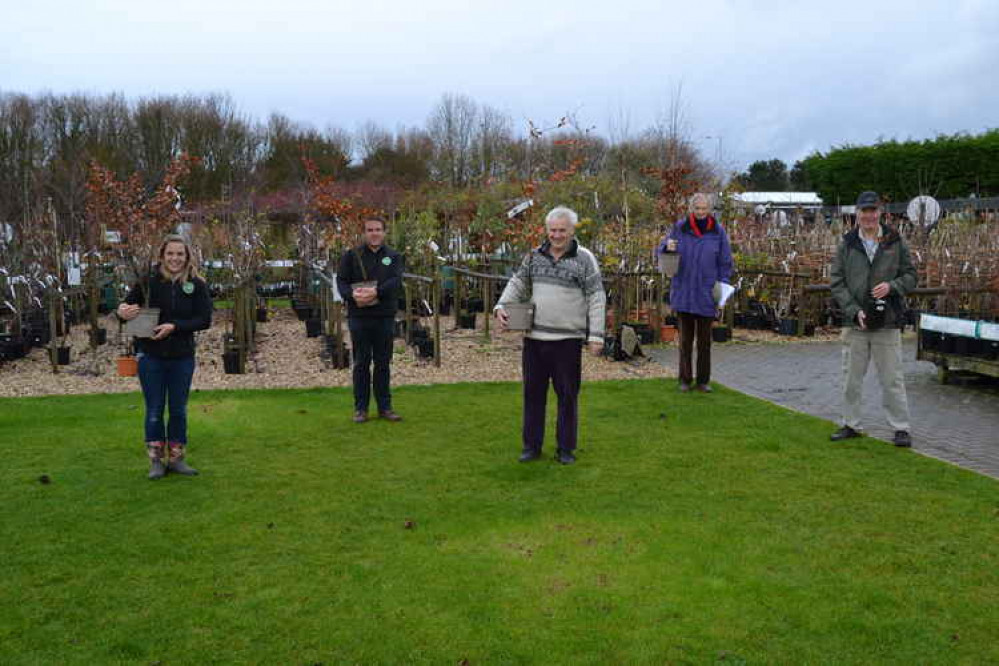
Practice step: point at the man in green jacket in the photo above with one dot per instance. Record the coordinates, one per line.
(871, 274)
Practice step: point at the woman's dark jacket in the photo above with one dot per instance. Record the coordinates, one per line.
(187, 312)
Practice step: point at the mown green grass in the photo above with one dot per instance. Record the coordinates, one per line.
(694, 529)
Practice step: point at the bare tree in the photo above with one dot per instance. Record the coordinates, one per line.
(452, 128)
(493, 134)
(370, 138)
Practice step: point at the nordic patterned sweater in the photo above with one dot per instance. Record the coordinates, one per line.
(568, 294)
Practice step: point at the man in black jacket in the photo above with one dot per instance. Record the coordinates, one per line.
(369, 278)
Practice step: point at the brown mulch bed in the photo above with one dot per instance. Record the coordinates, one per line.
(286, 358)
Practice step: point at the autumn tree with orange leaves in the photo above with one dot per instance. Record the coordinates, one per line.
(142, 218)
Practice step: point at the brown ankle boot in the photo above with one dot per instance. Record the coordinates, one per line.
(177, 464)
(156, 452)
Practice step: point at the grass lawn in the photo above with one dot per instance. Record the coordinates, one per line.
(694, 530)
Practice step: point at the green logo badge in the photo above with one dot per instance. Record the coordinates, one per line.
(188, 288)
(387, 260)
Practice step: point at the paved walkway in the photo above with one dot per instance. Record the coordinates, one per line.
(958, 423)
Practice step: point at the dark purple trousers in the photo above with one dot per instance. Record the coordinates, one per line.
(561, 363)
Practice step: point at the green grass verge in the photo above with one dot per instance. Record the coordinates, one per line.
(694, 529)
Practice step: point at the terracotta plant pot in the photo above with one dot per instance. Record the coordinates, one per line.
(128, 366)
(667, 333)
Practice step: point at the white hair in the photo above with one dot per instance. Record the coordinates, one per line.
(701, 196)
(561, 212)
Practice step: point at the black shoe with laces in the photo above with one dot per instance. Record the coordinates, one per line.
(565, 457)
(846, 432)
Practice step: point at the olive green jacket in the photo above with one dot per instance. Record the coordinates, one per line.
(854, 275)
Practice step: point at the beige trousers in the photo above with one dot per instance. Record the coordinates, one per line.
(885, 347)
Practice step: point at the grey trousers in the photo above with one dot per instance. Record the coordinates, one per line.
(885, 348)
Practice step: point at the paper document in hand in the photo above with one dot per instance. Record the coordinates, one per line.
(722, 292)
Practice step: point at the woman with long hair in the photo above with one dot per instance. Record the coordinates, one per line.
(166, 360)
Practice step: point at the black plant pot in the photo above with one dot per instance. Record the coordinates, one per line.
(98, 336)
(962, 345)
(721, 334)
(261, 315)
(809, 330)
(425, 348)
(788, 326)
(230, 362)
(313, 327)
(338, 361)
(466, 321)
(62, 355)
(947, 344)
(446, 305)
(303, 312)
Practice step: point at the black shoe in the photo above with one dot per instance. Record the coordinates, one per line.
(564, 457)
(684, 387)
(704, 388)
(846, 432)
(528, 456)
(389, 415)
(902, 439)
(360, 417)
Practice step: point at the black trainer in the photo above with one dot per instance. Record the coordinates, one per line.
(846, 432)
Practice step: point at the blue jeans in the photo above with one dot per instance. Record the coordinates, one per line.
(372, 337)
(166, 379)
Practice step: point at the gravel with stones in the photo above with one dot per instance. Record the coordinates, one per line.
(286, 358)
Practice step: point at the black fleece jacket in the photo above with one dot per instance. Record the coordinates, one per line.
(385, 266)
(188, 312)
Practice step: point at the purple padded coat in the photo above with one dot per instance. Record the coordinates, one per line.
(704, 260)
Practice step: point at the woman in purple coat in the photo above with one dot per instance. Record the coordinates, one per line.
(705, 258)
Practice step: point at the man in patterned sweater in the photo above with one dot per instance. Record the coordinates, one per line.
(562, 279)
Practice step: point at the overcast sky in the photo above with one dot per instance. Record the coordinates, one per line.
(772, 79)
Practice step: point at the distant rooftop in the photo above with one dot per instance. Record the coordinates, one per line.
(779, 198)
